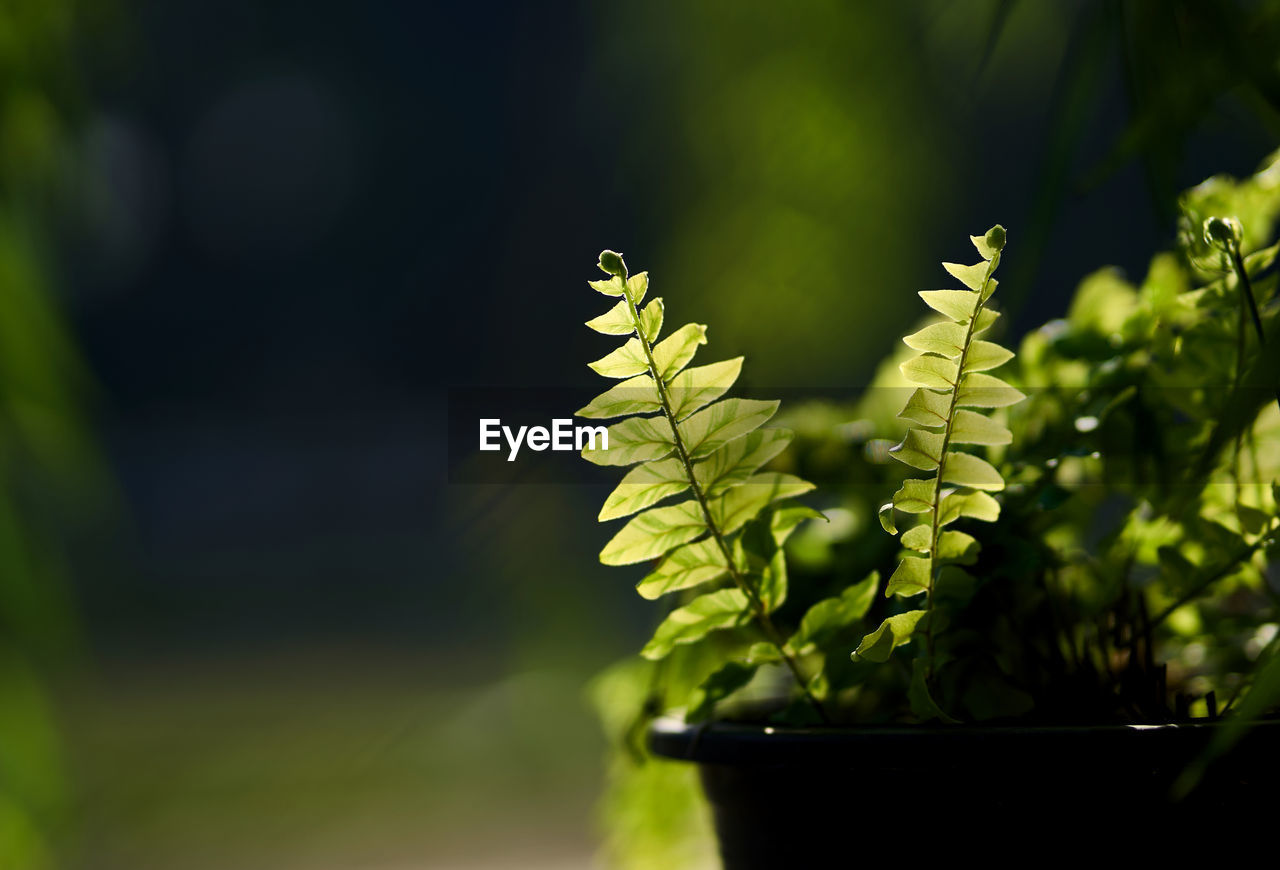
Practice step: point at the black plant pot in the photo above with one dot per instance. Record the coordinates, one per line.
(843, 797)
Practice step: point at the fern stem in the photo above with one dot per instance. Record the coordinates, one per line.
(753, 598)
(1246, 290)
(934, 531)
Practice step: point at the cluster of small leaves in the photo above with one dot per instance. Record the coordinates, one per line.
(953, 388)
(720, 548)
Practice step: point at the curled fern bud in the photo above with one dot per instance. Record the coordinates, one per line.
(611, 263)
(1223, 232)
(995, 238)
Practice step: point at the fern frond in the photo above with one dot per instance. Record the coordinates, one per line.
(951, 378)
(683, 438)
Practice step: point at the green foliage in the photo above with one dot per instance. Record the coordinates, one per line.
(712, 448)
(952, 357)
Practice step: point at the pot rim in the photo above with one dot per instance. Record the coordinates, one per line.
(926, 746)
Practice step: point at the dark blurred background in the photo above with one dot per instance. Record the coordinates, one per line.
(257, 246)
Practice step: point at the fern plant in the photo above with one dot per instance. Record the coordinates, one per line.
(953, 388)
(720, 549)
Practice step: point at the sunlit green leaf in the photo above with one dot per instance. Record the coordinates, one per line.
(886, 518)
(616, 321)
(927, 407)
(976, 505)
(636, 439)
(654, 532)
(911, 577)
(970, 427)
(685, 567)
(919, 449)
(637, 286)
(609, 286)
(645, 485)
(651, 319)
(737, 460)
(959, 305)
(625, 362)
(986, 391)
(705, 614)
(892, 633)
(695, 387)
(970, 276)
(638, 395)
(717, 424)
(968, 470)
(674, 352)
(984, 355)
(935, 372)
(915, 496)
(945, 339)
(732, 510)
(957, 547)
(918, 538)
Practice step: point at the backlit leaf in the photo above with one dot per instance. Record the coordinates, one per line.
(927, 407)
(739, 504)
(643, 486)
(616, 321)
(984, 355)
(959, 305)
(651, 319)
(986, 391)
(911, 577)
(654, 532)
(703, 615)
(976, 505)
(684, 567)
(918, 538)
(737, 460)
(970, 276)
(625, 362)
(919, 449)
(636, 439)
(970, 427)
(674, 352)
(695, 387)
(935, 372)
(915, 496)
(892, 633)
(717, 424)
(945, 339)
(968, 470)
(638, 395)
(827, 618)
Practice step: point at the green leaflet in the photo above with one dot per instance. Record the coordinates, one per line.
(636, 439)
(693, 388)
(985, 391)
(920, 449)
(685, 567)
(690, 440)
(717, 424)
(950, 375)
(625, 362)
(638, 395)
(926, 407)
(674, 352)
(911, 577)
(644, 485)
(705, 614)
(732, 510)
(654, 532)
(737, 460)
(944, 339)
(830, 616)
(930, 370)
(892, 633)
(970, 427)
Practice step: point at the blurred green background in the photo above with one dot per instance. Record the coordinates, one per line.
(248, 248)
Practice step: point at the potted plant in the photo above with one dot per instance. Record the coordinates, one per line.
(1063, 619)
